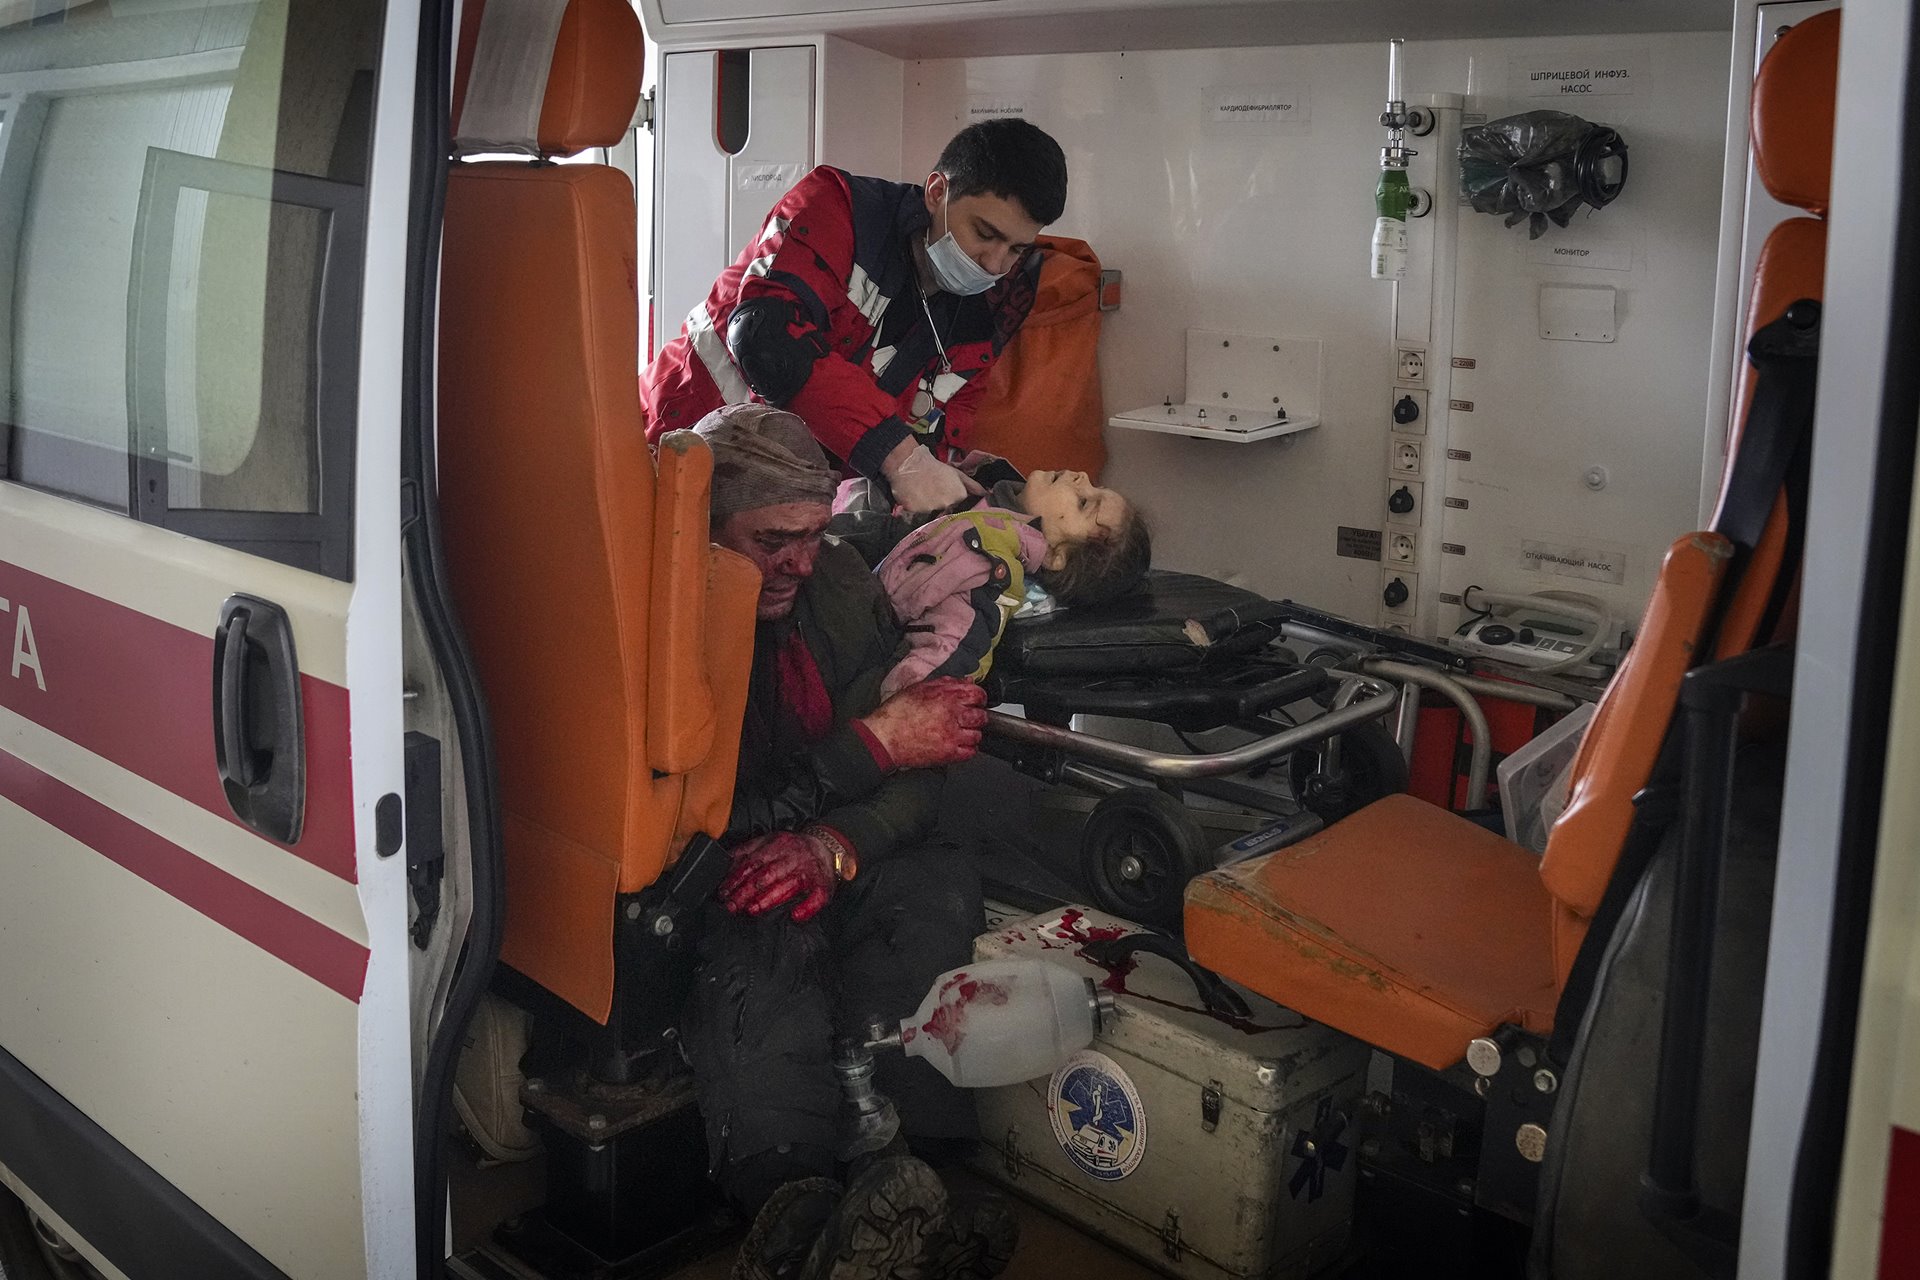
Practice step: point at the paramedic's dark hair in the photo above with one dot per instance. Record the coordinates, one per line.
(1102, 569)
(1008, 157)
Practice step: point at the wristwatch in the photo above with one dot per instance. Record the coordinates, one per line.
(846, 865)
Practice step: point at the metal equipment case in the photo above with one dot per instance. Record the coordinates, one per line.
(1207, 1145)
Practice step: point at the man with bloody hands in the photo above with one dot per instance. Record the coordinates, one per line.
(838, 908)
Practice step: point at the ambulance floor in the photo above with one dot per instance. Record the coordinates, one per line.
(1048, 1246)
(1024, 838)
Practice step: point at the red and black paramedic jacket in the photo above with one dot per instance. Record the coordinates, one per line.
(821, 314)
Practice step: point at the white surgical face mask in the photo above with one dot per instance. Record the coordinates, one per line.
(956, 272)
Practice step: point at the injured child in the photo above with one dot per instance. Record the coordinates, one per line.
(955, 580)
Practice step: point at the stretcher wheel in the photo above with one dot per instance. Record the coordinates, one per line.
(1371, 767)
(1138, 850)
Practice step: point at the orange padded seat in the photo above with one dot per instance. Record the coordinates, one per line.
(1416, 930)
(612, 640)
(1419, 911)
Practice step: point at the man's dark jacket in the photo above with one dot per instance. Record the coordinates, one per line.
(786, 781)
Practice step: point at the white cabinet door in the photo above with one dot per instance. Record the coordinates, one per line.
(709, 202)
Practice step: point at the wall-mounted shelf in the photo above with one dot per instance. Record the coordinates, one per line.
(1210, 422)
(1241, 387)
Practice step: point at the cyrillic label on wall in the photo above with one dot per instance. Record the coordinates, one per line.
(1257, 104)
(1452, 549)
(1610, 73)
(993, 106)
(1574, 560)
(1465, 362)
(773, 179)
(1458, 504)
(1598, 255)
(1356, 544)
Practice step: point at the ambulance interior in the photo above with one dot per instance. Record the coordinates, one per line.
(1518, 501)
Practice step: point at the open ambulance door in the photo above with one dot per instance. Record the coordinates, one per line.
(205, 1059)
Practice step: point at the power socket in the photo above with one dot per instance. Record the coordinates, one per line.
(1403, 502)
(1409, 411)
(1399, 593)
(1411, 367)
(1405, 457)
(1400, 548)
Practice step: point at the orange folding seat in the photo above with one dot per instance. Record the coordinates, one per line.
(612, 640)
(1416, 930)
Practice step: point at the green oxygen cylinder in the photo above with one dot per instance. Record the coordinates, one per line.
(1390, 200)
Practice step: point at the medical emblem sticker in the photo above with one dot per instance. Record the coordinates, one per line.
(1097, 1117)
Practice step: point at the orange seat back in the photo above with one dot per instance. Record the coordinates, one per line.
(1793, 106)
(1793, 144)
(1623, 739)
(586, 582)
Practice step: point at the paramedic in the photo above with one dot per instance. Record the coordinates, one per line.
(836, 910)
(871, 309)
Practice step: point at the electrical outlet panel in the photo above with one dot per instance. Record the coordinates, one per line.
(1399, 593)
(1404, 457)
(1400, 548)
(1410, 367)
(1409, 412)
(1403, 502)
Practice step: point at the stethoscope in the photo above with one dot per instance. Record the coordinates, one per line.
(931, 412)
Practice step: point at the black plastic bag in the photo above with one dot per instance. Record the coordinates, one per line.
(1541, 165)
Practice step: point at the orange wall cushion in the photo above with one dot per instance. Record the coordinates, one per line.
(1042, 407)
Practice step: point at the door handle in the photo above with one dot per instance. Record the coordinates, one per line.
(232, 753)
(259, 735)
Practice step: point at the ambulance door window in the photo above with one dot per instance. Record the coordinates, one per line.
(181, 220)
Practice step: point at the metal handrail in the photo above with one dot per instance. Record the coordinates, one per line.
(1379, 699)
(1480, 759)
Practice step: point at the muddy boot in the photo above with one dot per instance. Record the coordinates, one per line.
(785, 1230)
(886, 1227)
(979, 1240)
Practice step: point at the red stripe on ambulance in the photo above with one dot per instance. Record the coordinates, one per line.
(139, 692)
(1900, 1231)
(329, 958)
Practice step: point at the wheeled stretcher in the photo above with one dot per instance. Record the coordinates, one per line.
(1196, 656)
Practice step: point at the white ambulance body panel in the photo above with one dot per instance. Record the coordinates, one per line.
(204, 230)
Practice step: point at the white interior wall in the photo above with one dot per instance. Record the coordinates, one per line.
(1546, 411)
(1264, 229)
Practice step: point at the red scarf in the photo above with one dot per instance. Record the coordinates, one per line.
(802, 690)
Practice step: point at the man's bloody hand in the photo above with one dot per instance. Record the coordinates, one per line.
(769, 871)
(931, 723)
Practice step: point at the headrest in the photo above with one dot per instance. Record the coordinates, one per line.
(545, 77)
(1793, 100)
